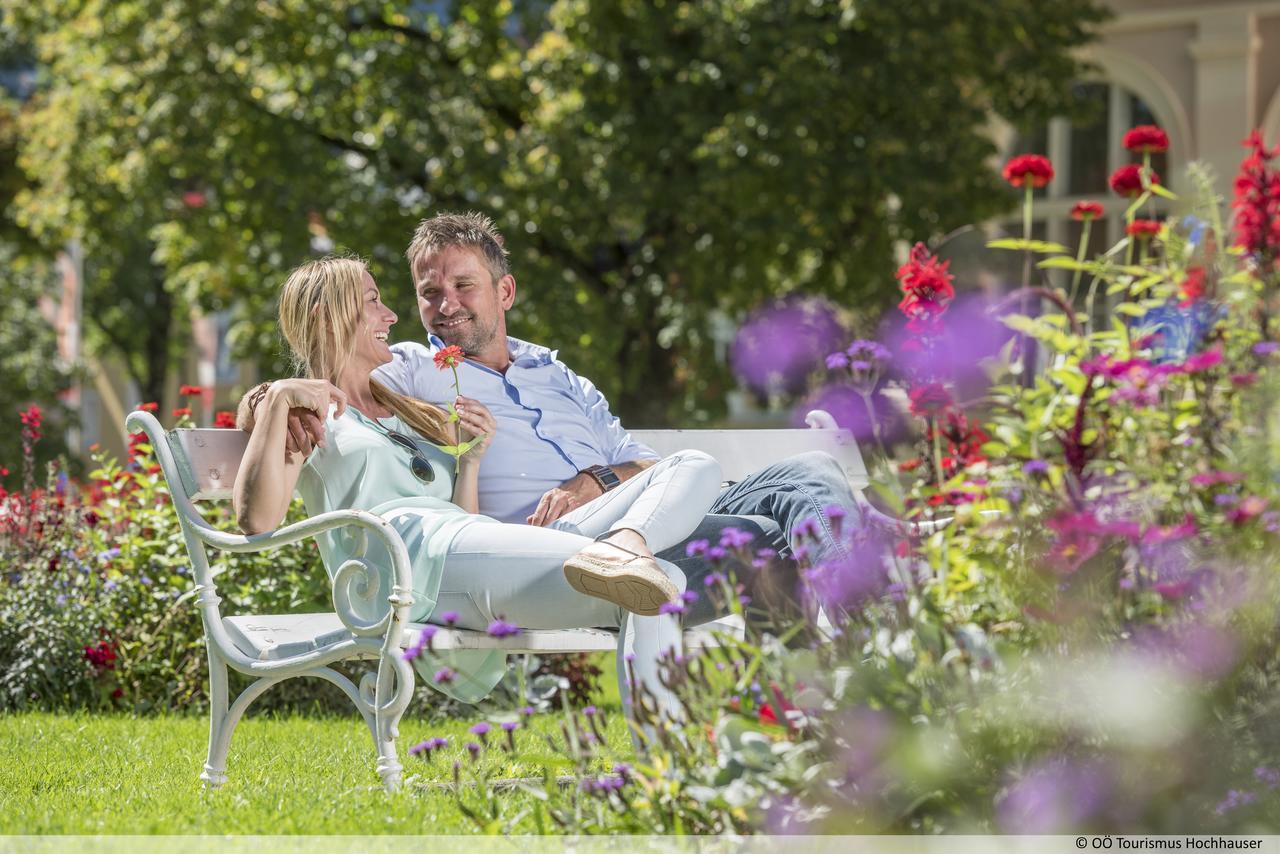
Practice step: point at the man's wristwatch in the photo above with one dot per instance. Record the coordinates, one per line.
(603, 475)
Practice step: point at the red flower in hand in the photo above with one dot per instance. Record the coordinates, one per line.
(1030, 169)
(1085, 211)
(928, 400)
(449, 357)
(1143, 228)
(1146, 138)
(1127, 180)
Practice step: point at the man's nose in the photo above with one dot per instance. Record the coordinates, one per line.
(448, 304)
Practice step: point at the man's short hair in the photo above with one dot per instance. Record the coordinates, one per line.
(471, 229)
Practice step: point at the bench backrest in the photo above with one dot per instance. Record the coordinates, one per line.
(208, 458)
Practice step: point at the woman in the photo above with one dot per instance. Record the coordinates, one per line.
(377, 455)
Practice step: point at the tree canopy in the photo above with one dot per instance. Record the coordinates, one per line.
(650, 162)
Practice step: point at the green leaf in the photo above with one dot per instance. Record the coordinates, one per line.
(1130, 309)
(1024, 245)
(1064, 262)
(1164, 192)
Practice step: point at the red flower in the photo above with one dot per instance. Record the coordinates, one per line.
(449, 357)
(928, 400)
(766, 716)
(1146, 139)
(1257, 201)
(927, 287)
(1143, 228)
(190, 390)
(1192, 287)
(910, 465)
(1085, 211)
(102, 656)
(149, 407)
(1127, 180)
(193, 199)
(223, 418)
(182, 412)
(1028, 168)
(31, 417)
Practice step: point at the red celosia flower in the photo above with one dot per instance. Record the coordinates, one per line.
(1192, 287)
(927, 287)
(182, 412)
(1127, 180)
(449, 357)
(31, 417)
(1086, 211)
(102, 656)
(149, 407)
(1030, 169)
(1257, 202)
(1143, 228)
(962, 441)
(766, 716)
(1146, 139)
(928, 400)
(223, 418)
(190, 390)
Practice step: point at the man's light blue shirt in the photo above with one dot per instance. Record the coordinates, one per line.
(552, 423)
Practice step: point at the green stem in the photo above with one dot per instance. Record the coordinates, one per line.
(1026, 234)
(457, 425)
(937, 452)
(1080, 253)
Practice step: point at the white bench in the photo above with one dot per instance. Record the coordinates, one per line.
(200, 464)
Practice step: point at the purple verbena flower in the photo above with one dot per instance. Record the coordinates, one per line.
(696, 547)
(444, 676)
(671, 608)
(735, 538)
(510, 726)
(502, 629)
(1034, 467)
(837, 360)
(590, 710)
(481, 729)
(716, 553)
(689, 597)
(449, 617)
(1265, 348)
(1235, 799)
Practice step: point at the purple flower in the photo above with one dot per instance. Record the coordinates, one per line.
(444, 676)
(696, 547)
(689, 597)
(1270, 777)
(735, 538)
(868, 350)
(590, 710)
(778, 346)
(835, 512)
(714, 578)
(807, 527)
(716, 553)
(837, 360)
(1235, 799)
(1265, 348)
(428, 747)
(528, 711)
(421, 642)
(671, 608)
(449, 617)
(481, 729)
(1056, 796)
(1031, 468)
(474, 750)
(510, 726)
(860, 366)
(502, 629)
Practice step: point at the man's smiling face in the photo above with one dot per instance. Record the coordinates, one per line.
(459, 301)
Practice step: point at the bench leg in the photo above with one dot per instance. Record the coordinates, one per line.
(215, 766)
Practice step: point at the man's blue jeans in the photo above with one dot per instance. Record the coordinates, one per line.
(770, 504)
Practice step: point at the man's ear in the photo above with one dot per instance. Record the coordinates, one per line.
(507, 291)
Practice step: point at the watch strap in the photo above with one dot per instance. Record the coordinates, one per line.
(605, 476)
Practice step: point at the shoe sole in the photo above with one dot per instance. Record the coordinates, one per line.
(640, 590)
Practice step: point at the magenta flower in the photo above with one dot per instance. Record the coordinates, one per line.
(1213, 478)
(481, 729)
(444, 676)
(837, 360)
(672, 608)
(449, 617)
(696, 547)
(1202, 361)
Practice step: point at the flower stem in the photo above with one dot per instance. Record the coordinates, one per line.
(457, 425)
(1026, 235)
(1080, 253)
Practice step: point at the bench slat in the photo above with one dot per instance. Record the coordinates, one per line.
(280, 636)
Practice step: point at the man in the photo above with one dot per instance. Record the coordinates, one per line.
(557, 445)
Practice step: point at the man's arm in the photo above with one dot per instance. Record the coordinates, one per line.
(623, 454)
(305, 429)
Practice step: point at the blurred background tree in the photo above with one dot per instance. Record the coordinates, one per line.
(651, 162)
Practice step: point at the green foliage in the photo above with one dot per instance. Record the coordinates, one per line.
(651, 163)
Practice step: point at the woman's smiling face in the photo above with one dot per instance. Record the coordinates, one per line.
(376, 321)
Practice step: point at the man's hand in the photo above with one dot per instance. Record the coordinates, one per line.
(306, 430)
(565, 498)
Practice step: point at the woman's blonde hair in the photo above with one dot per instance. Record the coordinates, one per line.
(320, 307)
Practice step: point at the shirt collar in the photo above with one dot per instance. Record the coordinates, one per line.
(523, 353)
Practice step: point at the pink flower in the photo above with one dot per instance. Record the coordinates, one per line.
(449, 357)
(1202, 361)
(1145, 139)
(1032, 169)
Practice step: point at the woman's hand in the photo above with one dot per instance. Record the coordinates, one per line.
(477, 420)
(310, 395)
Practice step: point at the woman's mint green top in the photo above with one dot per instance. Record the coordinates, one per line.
(360, 468)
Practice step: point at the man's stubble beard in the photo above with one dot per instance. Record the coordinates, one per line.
(472, 341)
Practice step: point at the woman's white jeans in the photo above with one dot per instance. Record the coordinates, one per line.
(516, 572)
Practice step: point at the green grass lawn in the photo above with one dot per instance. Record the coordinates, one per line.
(91, 774)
